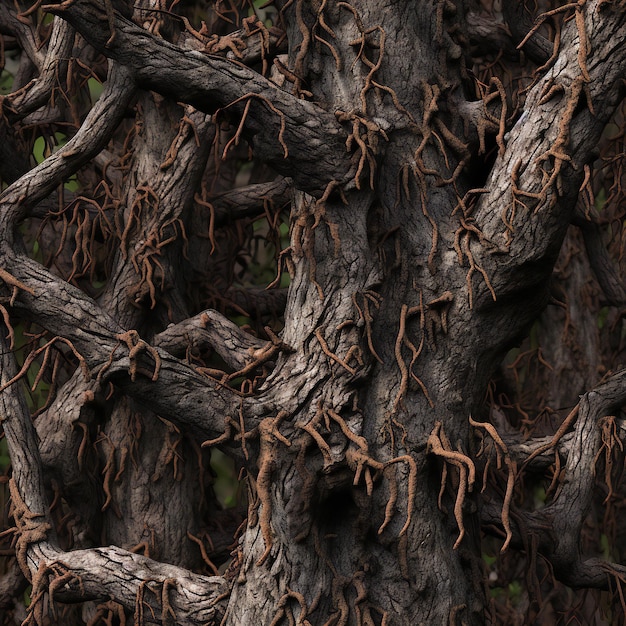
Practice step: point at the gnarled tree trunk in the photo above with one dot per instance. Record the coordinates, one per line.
(427, 212)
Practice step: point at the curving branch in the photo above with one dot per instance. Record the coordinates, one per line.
(568, 510)
(93, 135)
(102, 343)
(557, 527)
(535, 181)
(250, 201)
(99, 573)
(53, 67)
(298, 138)
(604, 268)
(210, 329)
(10, 24)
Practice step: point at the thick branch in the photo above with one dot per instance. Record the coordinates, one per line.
(99, 573)
(298, 138)
(11, 25)
(250, 201)
(569, 508)
(213, 330)
(93, 135)
(140, 584)
(54, 67)
(603, 267)
(521, 451)
(256, 301)
(534, 184)
(519, 22)
(558, 526)
(171, 388)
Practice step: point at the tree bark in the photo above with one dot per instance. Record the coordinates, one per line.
(411, 275)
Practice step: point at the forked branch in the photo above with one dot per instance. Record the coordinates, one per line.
(100, 573)
(311, 146)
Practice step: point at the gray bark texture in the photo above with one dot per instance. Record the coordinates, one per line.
(440, 185)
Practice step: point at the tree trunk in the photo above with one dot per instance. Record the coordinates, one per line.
(426, 218)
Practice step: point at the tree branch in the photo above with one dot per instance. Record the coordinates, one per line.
(210, 329)
(250, 201)
(298, 138)
(558, 525)
(11, 25)
(534, 183)
(19, 104)
(165, 384)
(144, 586)
(570, 506)
(605, 270)
(99, 573)
(538, 48)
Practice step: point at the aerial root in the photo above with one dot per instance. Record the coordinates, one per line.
(402, 339)
(248, 98)
(551, 445)
(442, 138)
(489, 122)
(364, 466)
(46, 349)
(106, 611)
(366, 318)
(29, 527)
(454, 611)
(584, 45)
(321, 21)
(136, 346)
(439, 445)
(610, 440)
(365, 133)
(145, 259)
(7, 323)
(269, 436)
(16, 284)
(284, 610)
(436, 317)
(145, 200)
(230, 426)
(551, 161)
(203, 552)
(47, 580)
(260, 356)
(462, 246)
(330, 354)
(161, 591)
(109, 468)
(501, 449)
(185, 126)
(303, 239)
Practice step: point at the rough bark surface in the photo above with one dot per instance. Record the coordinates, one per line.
(428, 158)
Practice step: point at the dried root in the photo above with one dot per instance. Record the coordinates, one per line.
(462, 245)
(30, 527)
(13, 282)
(403, 340)
(46, 350)
(501, 449)
(269, 436)
(439, 445)
(136, 346)
(365, 133)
